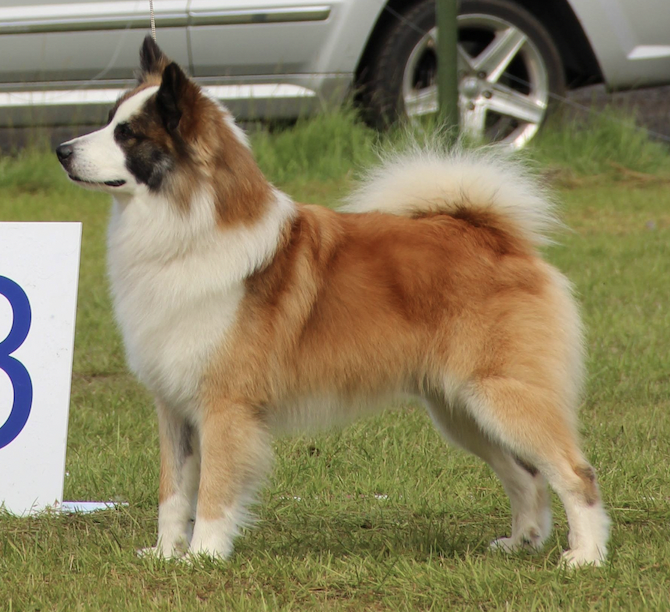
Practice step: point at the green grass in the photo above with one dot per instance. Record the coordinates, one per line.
(602, 143)
(381, 515)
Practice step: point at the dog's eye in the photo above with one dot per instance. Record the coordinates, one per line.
(123, 131)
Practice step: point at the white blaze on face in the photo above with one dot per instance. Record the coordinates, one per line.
(97, 157)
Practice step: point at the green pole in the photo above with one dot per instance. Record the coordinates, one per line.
(447, 71)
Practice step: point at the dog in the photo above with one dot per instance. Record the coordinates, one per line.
(247, 314)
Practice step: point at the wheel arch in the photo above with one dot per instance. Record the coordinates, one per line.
(387, 19)
(579, 61)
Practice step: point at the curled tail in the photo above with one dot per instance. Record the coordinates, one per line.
(428, 182)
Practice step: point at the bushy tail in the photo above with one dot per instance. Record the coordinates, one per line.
(428, 181)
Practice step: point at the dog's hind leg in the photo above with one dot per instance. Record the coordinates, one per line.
(524, 484)
(535, 425)
(179, 476)
(236, 454)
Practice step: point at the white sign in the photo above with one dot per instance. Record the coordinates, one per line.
(39, 272)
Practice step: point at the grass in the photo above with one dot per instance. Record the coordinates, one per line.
(381, 515)
(602, 143)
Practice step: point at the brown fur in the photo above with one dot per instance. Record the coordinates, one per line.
(359, 305)
(210, 155)
(589, 486)
(363, 286)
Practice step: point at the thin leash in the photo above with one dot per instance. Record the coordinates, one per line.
(153, 19)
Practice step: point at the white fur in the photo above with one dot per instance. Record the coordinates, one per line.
(530, 506)
(175, 514)
(174, 535)
(177, 281)
(130, 107)
(425, 181)
(215, 538)
(98, 157)
(589, 532)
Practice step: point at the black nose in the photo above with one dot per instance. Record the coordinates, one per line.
(64, 151)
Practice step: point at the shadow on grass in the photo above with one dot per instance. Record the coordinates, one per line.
(380, 534)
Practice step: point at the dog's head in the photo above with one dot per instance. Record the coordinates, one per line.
(165, 136)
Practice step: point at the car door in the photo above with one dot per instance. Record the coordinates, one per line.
(278, 58)
(257, 37)
(52, 41)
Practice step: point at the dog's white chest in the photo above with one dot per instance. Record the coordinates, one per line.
(172, 329)
(175, 312)
(178, 282)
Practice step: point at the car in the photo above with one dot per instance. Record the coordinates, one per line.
(64, 63)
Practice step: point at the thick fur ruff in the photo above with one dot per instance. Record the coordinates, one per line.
(247, 314)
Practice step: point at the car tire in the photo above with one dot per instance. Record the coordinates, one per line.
(498, 101)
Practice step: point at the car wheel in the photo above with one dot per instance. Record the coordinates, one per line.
(509, 70)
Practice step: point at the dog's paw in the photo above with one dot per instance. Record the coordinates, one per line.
(510, 545)
(506, 545)
(576, 558)
(212, 540)
(158, 552)
(205, 554)
(152, 552)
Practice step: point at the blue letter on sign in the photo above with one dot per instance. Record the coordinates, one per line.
(21, 383)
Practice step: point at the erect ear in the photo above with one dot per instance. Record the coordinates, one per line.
(170, 96)
(152, 59)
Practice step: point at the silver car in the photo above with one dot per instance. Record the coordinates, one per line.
(64, 62)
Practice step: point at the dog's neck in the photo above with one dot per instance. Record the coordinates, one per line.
(147, 230)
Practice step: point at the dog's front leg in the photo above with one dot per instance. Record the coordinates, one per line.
(236, 452)
(179, 475)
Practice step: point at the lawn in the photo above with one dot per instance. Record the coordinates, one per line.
(381, 515)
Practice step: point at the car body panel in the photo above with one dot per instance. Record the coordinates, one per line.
(48, 41)
(630, 39)
(63, 61)
(231, 38)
